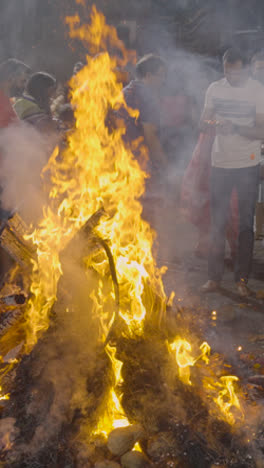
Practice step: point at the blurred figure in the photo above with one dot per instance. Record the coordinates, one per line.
(179, 116)
(63, 92)
(19, 74)
(125, 73)
(34, 106)
(144, 94)
(257, 68)
(7, 118)
(234, 107)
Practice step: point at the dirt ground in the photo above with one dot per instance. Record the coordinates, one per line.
(232, 326)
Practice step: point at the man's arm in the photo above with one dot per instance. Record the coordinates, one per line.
(206, 121)
(153, 142)
(252, 133)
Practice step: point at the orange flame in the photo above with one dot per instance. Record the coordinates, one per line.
(3, 397)
(227, 399)
(184, 358)
(95, 170)
(113, 414)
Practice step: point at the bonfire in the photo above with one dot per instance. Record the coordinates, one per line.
(99, 368)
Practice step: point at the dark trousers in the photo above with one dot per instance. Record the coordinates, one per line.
(223, 181)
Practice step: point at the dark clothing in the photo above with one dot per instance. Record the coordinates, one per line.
(223, 181)
(138, 96)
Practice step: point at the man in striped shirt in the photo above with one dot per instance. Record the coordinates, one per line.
(234, 105)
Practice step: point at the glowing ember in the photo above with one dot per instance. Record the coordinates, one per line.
(3, 397)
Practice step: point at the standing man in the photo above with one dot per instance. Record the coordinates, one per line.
(257, 69)
(235, 106)
(144, 94)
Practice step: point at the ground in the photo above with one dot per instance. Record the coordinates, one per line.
(232, 326)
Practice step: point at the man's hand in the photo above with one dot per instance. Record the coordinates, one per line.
(224, 127)
(252, 133)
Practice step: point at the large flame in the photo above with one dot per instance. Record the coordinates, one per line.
(94, 171)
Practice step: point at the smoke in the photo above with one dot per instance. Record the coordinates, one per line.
(24, 152)
(69, 369)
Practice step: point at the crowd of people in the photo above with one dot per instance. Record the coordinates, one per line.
(221, 188)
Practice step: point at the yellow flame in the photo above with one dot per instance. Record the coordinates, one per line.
(227, 398)
(113, 415)
(185, 359)
(95, 170)
(3, 397)
(137, 447)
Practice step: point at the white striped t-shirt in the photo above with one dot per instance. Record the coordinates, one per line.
(240, 105)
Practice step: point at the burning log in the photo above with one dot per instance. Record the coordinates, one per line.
(13, 241)
(169, 418)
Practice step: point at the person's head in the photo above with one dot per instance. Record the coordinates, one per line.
(41, 86)
(234, 66)
(152, 70)
(257, 66)
(13, 76)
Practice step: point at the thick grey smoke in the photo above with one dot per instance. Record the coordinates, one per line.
(24, 153)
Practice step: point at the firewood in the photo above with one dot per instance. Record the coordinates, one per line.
(123, 439)
(9, 319)
(14, 243)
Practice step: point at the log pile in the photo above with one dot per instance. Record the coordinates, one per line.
(59, 392)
